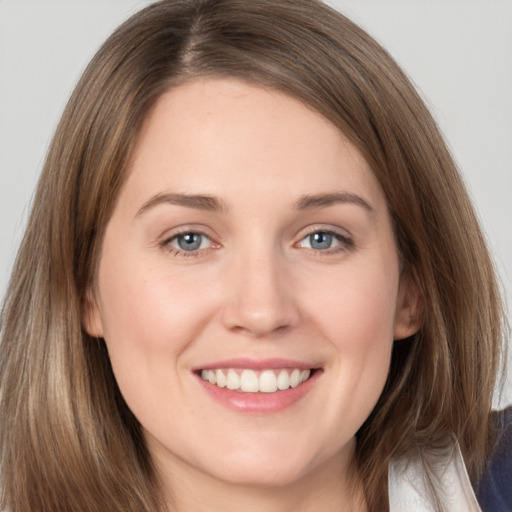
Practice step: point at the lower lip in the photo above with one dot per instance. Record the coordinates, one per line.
(259, 402)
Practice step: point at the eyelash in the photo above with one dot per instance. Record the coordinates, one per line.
(166, 244)
(345, 243)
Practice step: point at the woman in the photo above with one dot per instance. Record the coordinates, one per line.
(252, 279)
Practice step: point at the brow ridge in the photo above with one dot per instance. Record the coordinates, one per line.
(196, 201)
(309, 202)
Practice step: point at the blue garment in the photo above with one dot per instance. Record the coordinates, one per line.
(494, 491)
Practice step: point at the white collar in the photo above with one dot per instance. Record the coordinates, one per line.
(409, 490)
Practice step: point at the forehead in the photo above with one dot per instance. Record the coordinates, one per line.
(216, 136)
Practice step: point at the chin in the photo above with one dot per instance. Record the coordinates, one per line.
(271, 465)
(256, 474)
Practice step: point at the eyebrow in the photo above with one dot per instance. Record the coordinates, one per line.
(196, 201)
(213, 204)
(310, 202)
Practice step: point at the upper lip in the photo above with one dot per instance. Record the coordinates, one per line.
(256, 364)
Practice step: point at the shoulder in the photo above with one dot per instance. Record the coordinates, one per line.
(494, 491)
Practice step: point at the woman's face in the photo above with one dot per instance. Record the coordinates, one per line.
(248, 288)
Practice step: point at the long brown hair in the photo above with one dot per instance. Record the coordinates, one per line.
(68, 440)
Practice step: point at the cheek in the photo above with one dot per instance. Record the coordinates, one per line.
(356, 309)
(150, 317)
(352, 309)
(148, 306)
(355, 313)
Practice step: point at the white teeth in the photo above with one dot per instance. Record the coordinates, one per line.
(303, 377)
(295, 378)
(221, 378)
(250, 381)
(268, 382)
(283, 380)
(232, 380)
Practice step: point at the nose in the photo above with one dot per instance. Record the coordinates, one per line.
(260, 298)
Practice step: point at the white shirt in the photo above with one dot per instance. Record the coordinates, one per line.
(409, 490)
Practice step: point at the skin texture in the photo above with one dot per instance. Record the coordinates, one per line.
(256, 288)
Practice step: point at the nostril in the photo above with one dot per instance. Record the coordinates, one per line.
(257, 322)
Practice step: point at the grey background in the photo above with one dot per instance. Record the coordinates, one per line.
(457, 52)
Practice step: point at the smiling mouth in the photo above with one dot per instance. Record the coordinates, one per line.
(252, 381)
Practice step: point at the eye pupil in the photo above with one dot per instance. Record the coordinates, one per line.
(320, 240)
(189, 241)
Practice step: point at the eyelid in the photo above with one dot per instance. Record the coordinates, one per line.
(323, 228)
(171, 235)
(346, 240)
(176, 238)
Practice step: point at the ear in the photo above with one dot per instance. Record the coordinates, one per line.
(409, 309)
(91, 317)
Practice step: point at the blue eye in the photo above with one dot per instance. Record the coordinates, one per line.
(190, 242)
(320, 240)
(325, 240)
